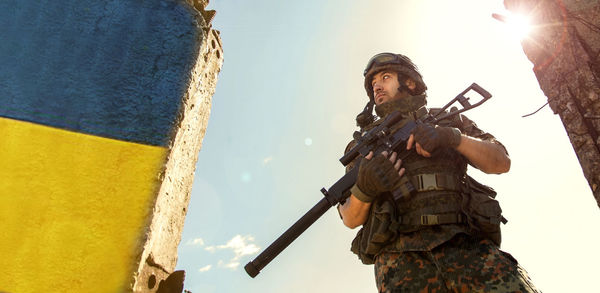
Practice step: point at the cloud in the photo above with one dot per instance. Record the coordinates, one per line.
(205, 268)
(231, 264)
(197, 241)
(240, 246)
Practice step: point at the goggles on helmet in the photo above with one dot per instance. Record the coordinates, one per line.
(386, 58)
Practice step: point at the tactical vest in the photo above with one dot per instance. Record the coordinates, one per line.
(436, 191)
(438, 182)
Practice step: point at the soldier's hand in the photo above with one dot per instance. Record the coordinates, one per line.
(427, 138)
(377, 174)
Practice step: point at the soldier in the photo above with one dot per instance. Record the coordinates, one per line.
(426, 225)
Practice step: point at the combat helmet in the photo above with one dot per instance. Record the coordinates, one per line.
(395, 62)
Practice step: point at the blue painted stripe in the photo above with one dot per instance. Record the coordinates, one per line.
(114, 68)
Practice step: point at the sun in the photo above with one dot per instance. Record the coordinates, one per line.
(517, 24)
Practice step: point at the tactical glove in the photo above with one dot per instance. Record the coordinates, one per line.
(433, 137)
(375, 176)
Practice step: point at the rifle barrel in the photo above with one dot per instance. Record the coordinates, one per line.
(254, 266)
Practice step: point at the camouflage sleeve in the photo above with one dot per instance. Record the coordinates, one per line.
(468, 127)
(349, 167)
(348, 148)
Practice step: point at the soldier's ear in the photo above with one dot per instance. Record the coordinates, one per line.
(411, 84)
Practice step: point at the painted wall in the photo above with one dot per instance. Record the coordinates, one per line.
(92, 94)
(72, 208)
(108, 68)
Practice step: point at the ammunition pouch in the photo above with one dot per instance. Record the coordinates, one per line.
(483, 211)
(379, 231)
(430, 209)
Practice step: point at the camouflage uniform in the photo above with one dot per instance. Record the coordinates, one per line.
(463, 264)
(451, 257)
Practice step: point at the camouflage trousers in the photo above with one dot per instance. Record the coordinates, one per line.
(463, 264)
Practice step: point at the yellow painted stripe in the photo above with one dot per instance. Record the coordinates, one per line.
(73, 208)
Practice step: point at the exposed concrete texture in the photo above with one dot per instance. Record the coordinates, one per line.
(160, 249)
(565, 50)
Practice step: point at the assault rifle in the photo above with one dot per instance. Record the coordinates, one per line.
(378, 139)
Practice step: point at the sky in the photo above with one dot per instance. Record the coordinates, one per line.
(284, 110)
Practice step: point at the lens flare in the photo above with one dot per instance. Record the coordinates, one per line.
(308, 141)
(517, 24)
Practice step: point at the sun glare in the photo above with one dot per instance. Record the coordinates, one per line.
(518, 25)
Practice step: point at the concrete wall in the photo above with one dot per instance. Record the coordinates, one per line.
(564, 48)
(103, 107)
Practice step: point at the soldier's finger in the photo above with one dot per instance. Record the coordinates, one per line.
(401, 172)
(369, 155)
(393, 157)
(398, 164)
(421, 151)
(385, 153)
(409, 143)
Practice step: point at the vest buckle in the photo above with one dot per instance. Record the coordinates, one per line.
(427, 220)
(427, 182)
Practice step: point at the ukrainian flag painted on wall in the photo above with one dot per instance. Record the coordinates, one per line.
(90, 92)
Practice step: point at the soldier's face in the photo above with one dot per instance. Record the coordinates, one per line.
(385, 87)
